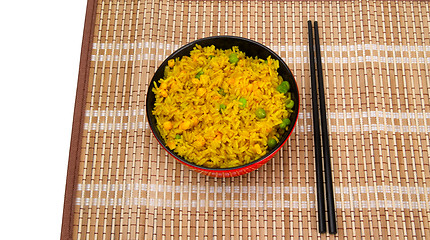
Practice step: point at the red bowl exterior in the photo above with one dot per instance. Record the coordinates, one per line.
(235, 171)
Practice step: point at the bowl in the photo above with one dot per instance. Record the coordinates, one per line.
(251, 48)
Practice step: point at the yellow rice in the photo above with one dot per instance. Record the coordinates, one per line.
(209, 126)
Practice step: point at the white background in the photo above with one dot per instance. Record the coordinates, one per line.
(40, 45)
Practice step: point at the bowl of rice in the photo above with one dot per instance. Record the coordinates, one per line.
(223, 105)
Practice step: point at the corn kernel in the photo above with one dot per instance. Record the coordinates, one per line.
(163, 86)
(201, 91)
(167, 125)
(195, 81)
(257, 149)
(163, 93)
(171, 63)
(195, 121)
(171, 144)
(250, 87)
(244, 91)
(173, 85)
(200, 142)
(185, 125)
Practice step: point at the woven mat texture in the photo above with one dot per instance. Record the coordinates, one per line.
(376, 63)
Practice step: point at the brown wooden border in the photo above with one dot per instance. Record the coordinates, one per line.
(75, 142)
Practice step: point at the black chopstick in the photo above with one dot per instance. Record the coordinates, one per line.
(317, 137)
(325, 140)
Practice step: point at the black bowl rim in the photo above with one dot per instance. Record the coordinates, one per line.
(269, 154)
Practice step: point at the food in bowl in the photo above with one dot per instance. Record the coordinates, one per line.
(219, 108)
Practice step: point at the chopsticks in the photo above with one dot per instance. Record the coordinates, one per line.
(317, 138)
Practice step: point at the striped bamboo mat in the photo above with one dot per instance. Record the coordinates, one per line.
(376, 58)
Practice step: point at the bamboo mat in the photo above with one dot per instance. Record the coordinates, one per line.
(376, 58)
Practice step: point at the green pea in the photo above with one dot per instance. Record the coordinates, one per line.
(211, 56)
(199, 74)
(260, 113)
(242, 102)
(233, 58)
(271, 142)
(285, 123)
(286, 83)
(166, 71)
(222, 107)
(221, 91)
(178, 136)
(290, 104)
(283, 87)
